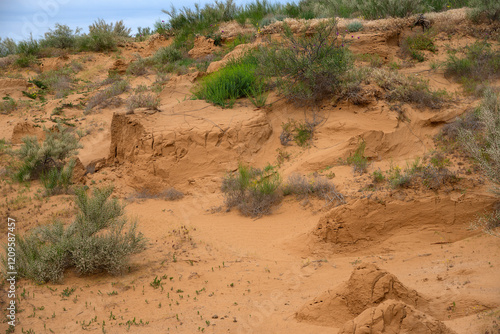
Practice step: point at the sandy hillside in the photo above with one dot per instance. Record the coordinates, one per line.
(394, 260)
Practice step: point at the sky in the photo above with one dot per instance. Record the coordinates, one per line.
(19, 18)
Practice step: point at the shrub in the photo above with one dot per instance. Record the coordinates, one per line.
(7, 105)
(306, 68)
(317, 186)
(358, 161)
(117, 29)
(403, 88)
(7, 47)
(489, 7)
(378, 176)
(484, 146)
(57, 180)
(478, 64)
(167, 54)
(105, 97)
(299, 132)
(96, 241)
(58, 146)
(354, 26)
(138, 67)
(235, 80)
(28, 47)
(103, 36)
(488, 222)
(413, 45)
(148, 101)
(62, 37)
(253, 191)
(60, 82)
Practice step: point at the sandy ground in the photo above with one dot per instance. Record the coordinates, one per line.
(302, 269)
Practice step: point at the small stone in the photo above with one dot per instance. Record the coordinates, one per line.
(215, 316)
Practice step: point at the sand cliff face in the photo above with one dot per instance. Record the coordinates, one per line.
(175, 148)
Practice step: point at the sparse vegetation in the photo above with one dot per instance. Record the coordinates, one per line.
(148, 101)
(483, 143)
(96, 241)
(306, 69)
(253, 191)
(414, 45)
(409, 89)
(354, 26)
(58, 146)
(169, 194)
(300, 132)
(57, 180)
(7, 105)
(317, 186)
(358, 161)
(478, 65)
(108, 96)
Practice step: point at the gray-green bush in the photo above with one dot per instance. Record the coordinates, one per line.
(306, 68)
(58, 146)
(97, 240)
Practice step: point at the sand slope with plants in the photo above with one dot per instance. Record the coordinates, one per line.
(299, 175)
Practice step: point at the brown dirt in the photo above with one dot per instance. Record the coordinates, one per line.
(307, 268)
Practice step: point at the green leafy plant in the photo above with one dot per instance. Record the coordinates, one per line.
(235, 80)
(358, 161)
(39, 158)
(307, 68)
(253, 191)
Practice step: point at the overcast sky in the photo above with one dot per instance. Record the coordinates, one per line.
(20, 17)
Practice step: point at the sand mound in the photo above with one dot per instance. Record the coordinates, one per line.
(23, 129)
(393, 316)
(365, 221)
(368, 286)
(13, 87)
(203, 47)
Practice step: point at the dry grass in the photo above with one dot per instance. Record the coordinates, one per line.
(148, 101)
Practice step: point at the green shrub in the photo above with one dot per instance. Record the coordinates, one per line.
(58, 146)
(57, 180)
(358, 161)
(7, 47)
(378, 176)
(96, 241)
(414, 45)
(299, 132)
(167, 54)
(354, 26)
(478, 65)
(306, 69)
(62, 37)
(483, 143)
(235, 80)
(28, 47)
(103, 36)
(253, 191)
(7, 105)
(491, 8)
